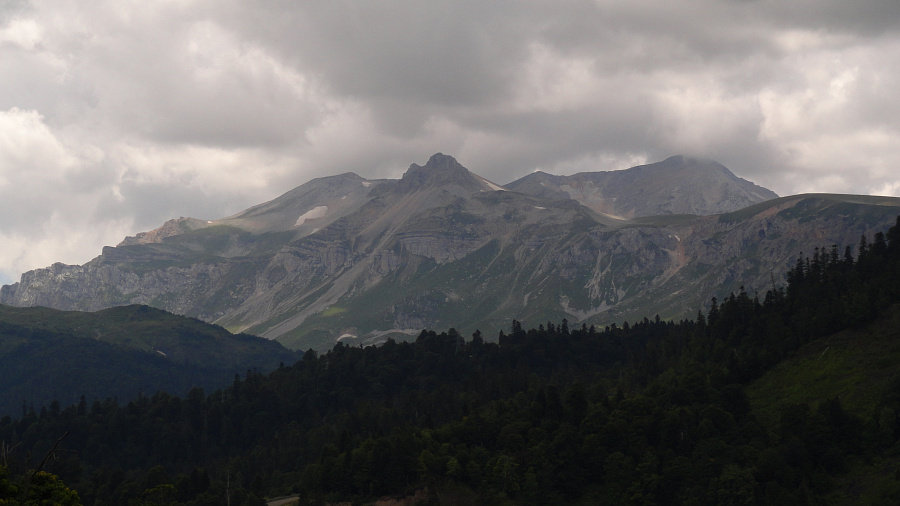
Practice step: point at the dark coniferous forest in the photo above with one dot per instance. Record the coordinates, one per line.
(649, 412)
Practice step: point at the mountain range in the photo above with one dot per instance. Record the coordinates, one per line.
(677, 185)
(344, 258)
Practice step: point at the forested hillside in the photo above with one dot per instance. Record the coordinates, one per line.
(649, 412)
(50, 358)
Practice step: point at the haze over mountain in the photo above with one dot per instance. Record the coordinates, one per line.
(346, 258)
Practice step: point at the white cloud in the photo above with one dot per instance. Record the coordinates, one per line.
(115, 116)
(59, 239)
(28, 150)
(554, 82)
(42, 219)
(22, 33)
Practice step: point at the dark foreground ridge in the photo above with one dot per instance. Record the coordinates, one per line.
(55, 358)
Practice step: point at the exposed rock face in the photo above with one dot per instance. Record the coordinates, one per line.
(441, 170)
(169, 228)
(352, 259)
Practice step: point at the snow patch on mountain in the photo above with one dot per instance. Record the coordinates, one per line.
(316, 212)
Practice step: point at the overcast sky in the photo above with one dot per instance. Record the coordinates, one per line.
(118, 115)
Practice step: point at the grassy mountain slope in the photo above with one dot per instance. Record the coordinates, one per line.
(860, 368)
(48, 355)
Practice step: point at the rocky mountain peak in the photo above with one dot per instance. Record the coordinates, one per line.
(693, 164)
(677, 185)
(168, 229)
(441, 169)
(443, 162)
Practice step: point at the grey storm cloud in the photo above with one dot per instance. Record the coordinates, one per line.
(116, 116)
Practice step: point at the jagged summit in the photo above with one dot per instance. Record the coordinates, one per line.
(440, 170)
(441, 161)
